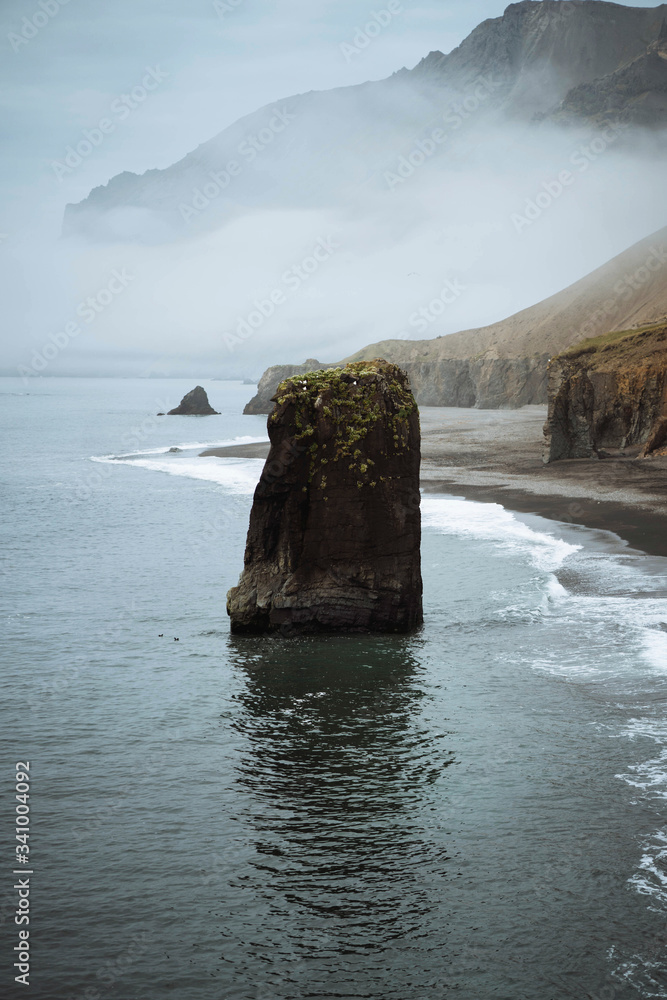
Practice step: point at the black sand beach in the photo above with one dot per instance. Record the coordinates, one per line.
(495, 456)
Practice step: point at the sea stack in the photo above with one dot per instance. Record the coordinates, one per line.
(335, 527)
(194, 404)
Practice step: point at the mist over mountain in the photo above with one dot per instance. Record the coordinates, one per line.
(308, 149)
(488, 178)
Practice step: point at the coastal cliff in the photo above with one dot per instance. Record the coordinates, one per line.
(504, 365)
(334, 536)
(608, 396)
(485, 383)
(262, 401)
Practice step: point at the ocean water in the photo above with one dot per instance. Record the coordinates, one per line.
(475, 811)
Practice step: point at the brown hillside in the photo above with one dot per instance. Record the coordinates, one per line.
(628, 291)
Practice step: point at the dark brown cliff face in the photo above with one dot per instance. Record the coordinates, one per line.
(608, 396)
(194, 404)
(335, 527)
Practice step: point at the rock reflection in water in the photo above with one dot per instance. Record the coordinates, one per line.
(339, 774)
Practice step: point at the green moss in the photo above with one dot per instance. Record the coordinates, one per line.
(350, 399)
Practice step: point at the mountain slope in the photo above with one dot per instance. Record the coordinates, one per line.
(543, 49)
(310, 149)
(636, 94)
(629, 290)
(505, 364)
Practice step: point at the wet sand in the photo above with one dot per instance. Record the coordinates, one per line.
(495, 456)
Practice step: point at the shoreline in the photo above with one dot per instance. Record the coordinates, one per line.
(643, 530)
(495, 456)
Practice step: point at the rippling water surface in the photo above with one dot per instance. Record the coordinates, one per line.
(477, 811)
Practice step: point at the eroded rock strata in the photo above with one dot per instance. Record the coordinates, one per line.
(609, 396)
(334, 536)
(194, 404)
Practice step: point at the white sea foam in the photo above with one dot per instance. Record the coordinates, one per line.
(650, 776)
(186, 446)
(649, 781)
(655, 647)
(238, 475)
(491, 522)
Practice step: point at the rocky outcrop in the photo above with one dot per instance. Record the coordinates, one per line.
(334, 536)
(262, 401)
(194, 404)
(609, 396)
(636, 94)
(483, 383)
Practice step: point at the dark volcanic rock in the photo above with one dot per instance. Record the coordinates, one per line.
(194, 404)
(609, 395)
(636, 94)
(334, 536)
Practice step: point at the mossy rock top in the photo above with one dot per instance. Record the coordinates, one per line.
(366, 377)
(342, 405)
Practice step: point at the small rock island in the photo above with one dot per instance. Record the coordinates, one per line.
(194, 404)
(335, 527)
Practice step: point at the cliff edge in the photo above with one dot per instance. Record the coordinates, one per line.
(608, 396)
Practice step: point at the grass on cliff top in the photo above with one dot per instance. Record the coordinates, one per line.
(619, 341)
